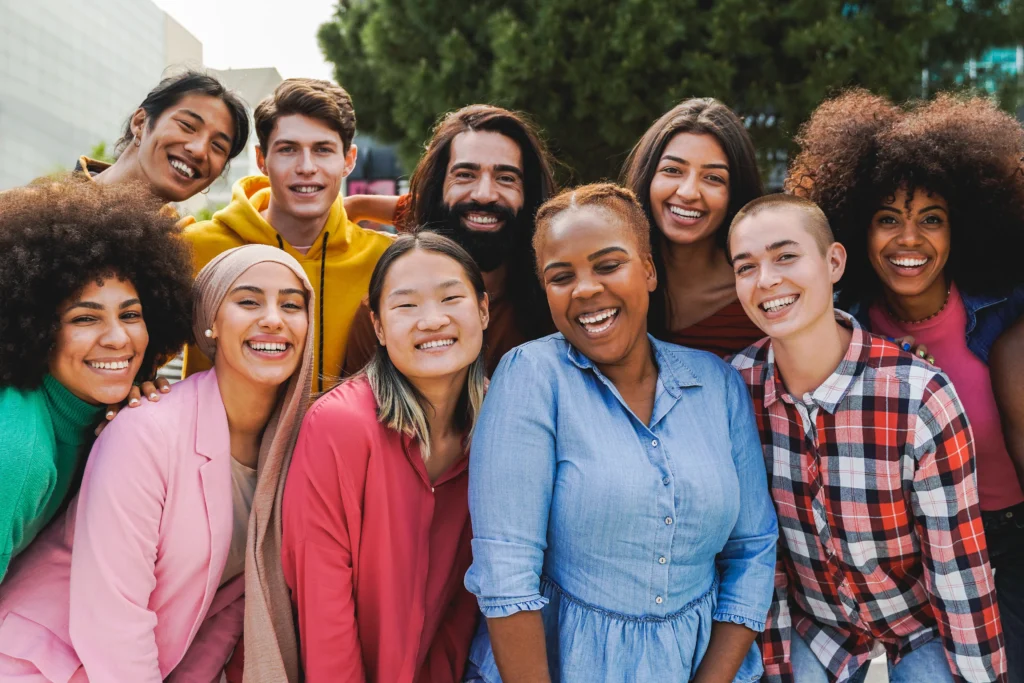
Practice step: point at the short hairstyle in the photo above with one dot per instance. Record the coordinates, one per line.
(857, 150)
(59, 236)
(609, 197)
(815, 220)
(426, 191)
(317, 99)
(172, 89)
(700, 116)
(399, 405)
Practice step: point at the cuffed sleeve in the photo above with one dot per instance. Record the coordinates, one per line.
(514, 441)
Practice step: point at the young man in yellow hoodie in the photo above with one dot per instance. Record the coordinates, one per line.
(305, 130)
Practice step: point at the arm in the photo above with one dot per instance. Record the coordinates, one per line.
(1006, 365)
(514, 441)
(20, 498)
(316, 548)
(944, 500)
(112, 560)
(371, 207)
(213, 644)
(746, 565)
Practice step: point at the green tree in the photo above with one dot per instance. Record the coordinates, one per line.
(595, 75)
(99, 153)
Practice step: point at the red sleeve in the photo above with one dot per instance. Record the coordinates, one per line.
(320, 509)
(446, 659)
(403, 218)
(362, 342)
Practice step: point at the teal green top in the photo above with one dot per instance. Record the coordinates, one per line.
(43, 433)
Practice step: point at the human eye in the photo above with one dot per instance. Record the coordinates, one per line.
(560, 278)
(886, 219)
(669, 170)
(453, 297)
(933, 219)
(131, 315)
(83, 319)
(717, 179)
(788, 256)
(221, 149)
(292, 306)
(185, 125)
(605, 267)
(744, 268)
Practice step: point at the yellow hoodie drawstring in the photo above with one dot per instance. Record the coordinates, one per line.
(320, 330)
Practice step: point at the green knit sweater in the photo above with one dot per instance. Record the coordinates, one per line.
(43, 434)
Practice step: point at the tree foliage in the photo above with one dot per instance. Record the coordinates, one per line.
(594, 75)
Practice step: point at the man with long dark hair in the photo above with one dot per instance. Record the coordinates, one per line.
(480, 182)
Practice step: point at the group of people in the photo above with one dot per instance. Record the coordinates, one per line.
(671, 429)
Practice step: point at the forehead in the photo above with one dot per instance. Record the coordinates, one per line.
(485, 148)
(108, 289)
(420, 270)
(696, 148)
(753, 235)
(269, 276)
(581, 232)
(921, 198)
(212, 109)
(301, 128)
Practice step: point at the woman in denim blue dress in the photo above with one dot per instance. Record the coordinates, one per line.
(622, 525)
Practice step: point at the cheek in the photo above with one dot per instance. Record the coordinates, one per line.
(139, 334)
(72, 345)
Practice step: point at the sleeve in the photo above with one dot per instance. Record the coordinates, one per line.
(778, 630)
(212, 646)
(362, 342)
(944, 499)
(514, 441)
(403, 218)
(317, 549)
(448, 654)
(113, 557)
(19, 502)
(746, 565)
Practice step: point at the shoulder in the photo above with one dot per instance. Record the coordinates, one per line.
(544, 355)
(154, 425)
(209, 238)
(701, 363)
(886, 361)
(26, 452)
(372, 241)
(750, 362)
(349, 408)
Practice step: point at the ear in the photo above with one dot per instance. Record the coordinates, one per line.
(350, 159)
(836, 257)
(485, 310)
(650, 272)
(378, 329)
(261, 161)
(138, 122)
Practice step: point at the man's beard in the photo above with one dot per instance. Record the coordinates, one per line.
(491, 249)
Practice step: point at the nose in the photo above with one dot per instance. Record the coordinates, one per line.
(307, 165)
(198, 147)
(586, 287)
(485, 191)
(432, 319)
(768, 277)
(115, 336)
(687, 188)
(910, 235)
(271, 319)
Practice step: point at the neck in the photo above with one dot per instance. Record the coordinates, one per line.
(809, 357)
(693, 265)
(494, 281)
(916, 307)
(636, 368)
(295, 231)
(248, 406)
(126, 168)
(442, 397)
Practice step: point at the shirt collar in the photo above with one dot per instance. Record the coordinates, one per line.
(835, 388)
(673, 373)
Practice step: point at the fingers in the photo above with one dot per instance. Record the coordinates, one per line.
(921, 351)
(134, 397)
(163, 385)
(150, 392)
(107, 417)
(906, 343)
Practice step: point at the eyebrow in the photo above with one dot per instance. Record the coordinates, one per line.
(200, 119)
(933, 207)
(593, 257)
(93, 306)
(774, 246)
(247, 288)
(447, 284)
(678, 160)
(501, 168)
(299, 144)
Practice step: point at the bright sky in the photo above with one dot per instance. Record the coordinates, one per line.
(240, 34)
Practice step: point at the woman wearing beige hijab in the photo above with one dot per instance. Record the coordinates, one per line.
(142, 580)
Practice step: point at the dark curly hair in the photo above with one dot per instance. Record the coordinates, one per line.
(859, 149)
(55, 237)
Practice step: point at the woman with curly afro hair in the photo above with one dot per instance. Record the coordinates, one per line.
(928, 200)
(96, 288)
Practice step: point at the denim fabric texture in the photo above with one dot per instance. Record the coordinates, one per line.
(987, 318)
(631, 539)
(926, 664)
(1004, 533)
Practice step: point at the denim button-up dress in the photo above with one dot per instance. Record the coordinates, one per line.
(631, 539)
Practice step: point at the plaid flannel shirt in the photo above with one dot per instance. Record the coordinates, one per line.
(873, 480)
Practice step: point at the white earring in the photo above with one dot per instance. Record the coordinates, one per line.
(138, 142)
(209, 334)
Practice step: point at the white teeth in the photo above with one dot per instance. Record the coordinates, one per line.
(480, 218)
(592, 318)
(274, 347)
(306, 189)
(183, 167)
(436, 344)
(777, 304)
(908, 262)
(685, 213)
(116, 365)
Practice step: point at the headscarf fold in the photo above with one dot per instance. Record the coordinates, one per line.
(271, 650)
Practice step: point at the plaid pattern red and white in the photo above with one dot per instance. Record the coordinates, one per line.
(881, 539)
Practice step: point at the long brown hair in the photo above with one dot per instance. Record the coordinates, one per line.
(701, 116)
(426, 189)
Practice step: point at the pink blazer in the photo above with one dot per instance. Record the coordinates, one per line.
(125, 586)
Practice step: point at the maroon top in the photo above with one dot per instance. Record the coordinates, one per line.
(724, 333)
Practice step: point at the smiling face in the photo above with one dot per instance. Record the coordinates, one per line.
(908, 244)
(597, 282)
(783, 280)
(690, 190)
(306, 163)
(261, 326)
(187, 147)
(101, 342)
(429, 317)
(483, 184)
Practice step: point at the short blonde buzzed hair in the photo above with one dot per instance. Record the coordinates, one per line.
(816, 223)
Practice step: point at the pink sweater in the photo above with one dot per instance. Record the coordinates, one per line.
(945, 336)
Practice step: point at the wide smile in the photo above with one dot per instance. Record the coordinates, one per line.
(779, 306)
(908, 265)
(597, 323)
(268, 350)
(183, 170)
(482, 221)
(436, 345)
(111, 366)
(307, 190)
(684, 216)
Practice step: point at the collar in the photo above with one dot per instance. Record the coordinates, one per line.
(837, 386)
(72, 418)
(673, 373)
